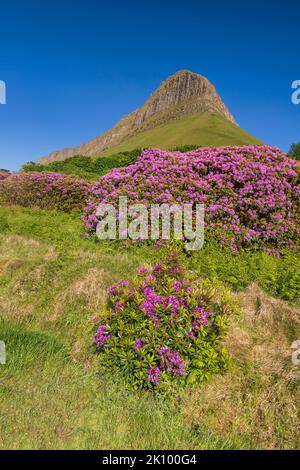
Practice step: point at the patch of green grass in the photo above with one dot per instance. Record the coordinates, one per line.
(50, 402)
(278, 276)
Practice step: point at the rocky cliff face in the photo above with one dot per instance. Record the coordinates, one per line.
(186, 92)
(182, 94)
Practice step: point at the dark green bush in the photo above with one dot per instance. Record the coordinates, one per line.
(185, 148)
(85, 167)
(32, 167)
(295, 151)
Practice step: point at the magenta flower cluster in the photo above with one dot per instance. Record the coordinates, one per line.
(101, 337)
(251, 194)
(172, 362)
(152, 300)
(4, 174)
(153, 374)
(150, 303)
(139, 343)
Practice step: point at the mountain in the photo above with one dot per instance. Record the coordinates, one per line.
(184, 110)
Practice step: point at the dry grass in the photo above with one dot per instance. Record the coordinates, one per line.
(9, 265)
(258, 401)
(89, 289)
(12, 243)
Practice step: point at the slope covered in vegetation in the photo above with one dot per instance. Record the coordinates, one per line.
(59, 290)
(205, 130)
(53, 290)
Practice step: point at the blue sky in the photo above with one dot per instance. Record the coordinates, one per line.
(73, 67)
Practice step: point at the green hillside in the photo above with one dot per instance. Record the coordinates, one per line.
(198, 130)
(203, 130)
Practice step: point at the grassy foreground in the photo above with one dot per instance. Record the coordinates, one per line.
(52, 393)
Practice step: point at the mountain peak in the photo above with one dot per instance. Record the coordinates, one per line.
(187, 90)
(181, 95)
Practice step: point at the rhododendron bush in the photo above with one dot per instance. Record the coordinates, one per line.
(250, 194)
(165, 326)
(44, 190)
(4, 174)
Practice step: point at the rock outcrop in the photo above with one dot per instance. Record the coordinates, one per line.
(184, 93)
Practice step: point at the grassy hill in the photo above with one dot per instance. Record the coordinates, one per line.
(202, 130)
(185, 109)
(198, 130)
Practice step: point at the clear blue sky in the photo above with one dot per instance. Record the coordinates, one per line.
(74, 67)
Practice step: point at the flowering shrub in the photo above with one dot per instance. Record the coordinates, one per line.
(251, 194)
(4, 174)
(44, 190)
(165, 326)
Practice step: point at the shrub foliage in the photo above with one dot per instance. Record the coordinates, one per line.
(85, 167)
(45, 191)
(250, 194)
(295, 151)
(4, 174)
(165, 326)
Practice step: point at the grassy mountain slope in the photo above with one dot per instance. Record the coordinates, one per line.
(204, 129)
(198, 130)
